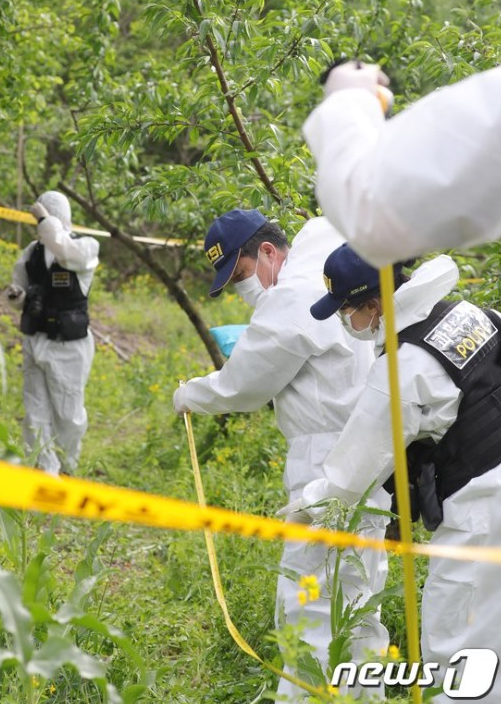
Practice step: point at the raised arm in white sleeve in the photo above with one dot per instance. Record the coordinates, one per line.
(79, 254)
(424, 180)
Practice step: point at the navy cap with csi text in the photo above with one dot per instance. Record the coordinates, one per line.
(347, 277)
(227, 235)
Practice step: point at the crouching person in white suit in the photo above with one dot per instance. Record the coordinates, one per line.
(450, 387)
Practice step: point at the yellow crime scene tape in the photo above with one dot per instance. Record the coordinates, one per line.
(32, 490)
(28, 219)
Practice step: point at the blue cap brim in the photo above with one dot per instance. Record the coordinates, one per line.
(326, 306)
(224, 274)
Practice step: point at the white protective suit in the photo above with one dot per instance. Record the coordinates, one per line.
(461, 606)
(424, 180)
(56, 371)
(314, 372)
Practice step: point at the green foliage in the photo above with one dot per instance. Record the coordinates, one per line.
(52, 644)
(165, 115)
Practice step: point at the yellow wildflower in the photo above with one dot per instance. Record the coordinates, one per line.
(332, 690)
(52, 689)
(393, 652)
(307, 581)
(310, 584)
(302, 597)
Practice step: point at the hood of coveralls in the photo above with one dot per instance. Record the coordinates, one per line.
(415, 299)
(57, 205)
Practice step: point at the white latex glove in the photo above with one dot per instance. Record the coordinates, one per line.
(14, 291)
(39, 212)
(303, 510)
(179, 401)
(355, 74)
(294, 512)
(15, 295)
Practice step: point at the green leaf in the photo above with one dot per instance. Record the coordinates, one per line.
(339, 650)
(132, 693)
(309, 669)
(37, 579)
(357, 563)
(16, 618)
(58, 651)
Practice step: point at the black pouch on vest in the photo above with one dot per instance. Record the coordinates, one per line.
(430, 504)
(51, 325)
(29, 325)
(413, 500)
(73, 324)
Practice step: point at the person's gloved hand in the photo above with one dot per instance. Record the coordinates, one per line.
(356, 74)
(39, 212)
(179, 401)
(15, 292)
(15, 296)
(294, 512)
(309, 506)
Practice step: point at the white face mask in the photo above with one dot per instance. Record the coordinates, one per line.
(366, 334)
(251, 288)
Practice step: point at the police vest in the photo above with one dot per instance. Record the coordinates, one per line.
(54, 301)
(466, 340)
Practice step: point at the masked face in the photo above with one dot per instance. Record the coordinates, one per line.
(250, 288)
(365, 333)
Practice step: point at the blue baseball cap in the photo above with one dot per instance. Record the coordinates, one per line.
(227, 235)
(347, 278)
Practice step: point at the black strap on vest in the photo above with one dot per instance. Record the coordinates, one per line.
(54, 301)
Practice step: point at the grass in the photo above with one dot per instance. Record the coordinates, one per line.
(158, 587)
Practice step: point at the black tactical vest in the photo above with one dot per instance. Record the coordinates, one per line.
(466, 340)
(54, 301)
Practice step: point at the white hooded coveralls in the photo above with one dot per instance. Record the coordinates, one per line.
(423, 180)
(56, 371)
(314, 372)
(461, 606)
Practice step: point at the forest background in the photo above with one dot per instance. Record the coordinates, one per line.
(154, 118)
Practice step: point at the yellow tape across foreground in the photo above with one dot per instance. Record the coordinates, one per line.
(31, 489)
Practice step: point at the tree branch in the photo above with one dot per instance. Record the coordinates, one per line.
(245, 138)
(146, 255)
(230, 100)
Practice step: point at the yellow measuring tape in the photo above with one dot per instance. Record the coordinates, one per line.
(401, 476)
(216, 577)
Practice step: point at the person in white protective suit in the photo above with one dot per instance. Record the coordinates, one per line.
(50, 284)
(313, 373)
(450, 386)
(424, 180)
